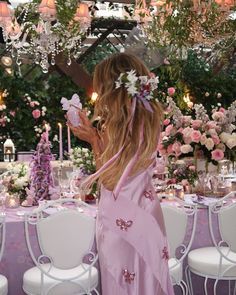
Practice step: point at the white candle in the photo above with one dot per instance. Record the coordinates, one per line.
(47, 130)
(68, 138)
(60, 143)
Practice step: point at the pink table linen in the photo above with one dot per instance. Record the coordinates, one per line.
(16, 258)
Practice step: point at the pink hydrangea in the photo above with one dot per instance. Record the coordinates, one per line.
(171, 91)
(217, 155)
(196, 136)
(36, 113)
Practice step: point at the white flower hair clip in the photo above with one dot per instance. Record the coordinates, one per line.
(72, 106)
(139, 87)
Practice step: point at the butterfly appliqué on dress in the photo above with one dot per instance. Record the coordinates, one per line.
(148, 195)
(124, 225)
(128, 276)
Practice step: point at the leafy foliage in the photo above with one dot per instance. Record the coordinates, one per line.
(47, 91)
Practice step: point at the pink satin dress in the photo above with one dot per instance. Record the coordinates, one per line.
(131, 240)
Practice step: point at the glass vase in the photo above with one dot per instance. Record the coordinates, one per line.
(12, 201)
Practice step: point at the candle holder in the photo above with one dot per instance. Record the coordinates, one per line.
(12, 201)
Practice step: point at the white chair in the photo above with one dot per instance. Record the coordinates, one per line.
(64, 237)
(176, 218)
(217, 262)
(3, 279)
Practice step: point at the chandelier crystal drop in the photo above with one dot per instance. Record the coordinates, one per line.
(42, 31)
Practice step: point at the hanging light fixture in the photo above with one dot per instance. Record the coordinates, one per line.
(157, 3)
(6, 61)
(5, 13)
(48, 34)
(82, 15)
(47, 10)
(229, 3)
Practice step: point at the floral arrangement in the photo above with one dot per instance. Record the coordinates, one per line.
(142, 87)
(41, 180)
(16, 179)
(212, 136)
(182, 172)
(83, 159)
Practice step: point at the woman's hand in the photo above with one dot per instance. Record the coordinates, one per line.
(85, 131)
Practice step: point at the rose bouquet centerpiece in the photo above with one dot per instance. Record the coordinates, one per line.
(83, 160)
(175, 139)
(16, 179)
(210, 136)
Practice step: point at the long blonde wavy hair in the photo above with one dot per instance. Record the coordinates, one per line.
(113, 106)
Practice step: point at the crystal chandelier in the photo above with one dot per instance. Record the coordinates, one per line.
(43, 30)
(202, 25)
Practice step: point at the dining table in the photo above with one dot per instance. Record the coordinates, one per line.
(16, 257)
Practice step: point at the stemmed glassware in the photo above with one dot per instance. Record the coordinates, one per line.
(2, 197)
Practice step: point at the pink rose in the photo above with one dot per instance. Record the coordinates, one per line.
(217, 155)
(169, 129)
(13, 113)
(218, 116)
(170, 149)
(196, 136)
(166, 122)
(171, 91)
(222, 110)
(216, 139)
(32, 104)
(196, 124)
(161, 149)
(36, 113)
(210, 125)
(180, 130)
(203, 139)
(192, 168)
(186, 120)
(176, 148)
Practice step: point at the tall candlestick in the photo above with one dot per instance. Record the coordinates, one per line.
(47, 131)
(68, 139)
(60, 143)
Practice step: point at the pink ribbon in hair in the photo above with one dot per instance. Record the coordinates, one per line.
(146, 103)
